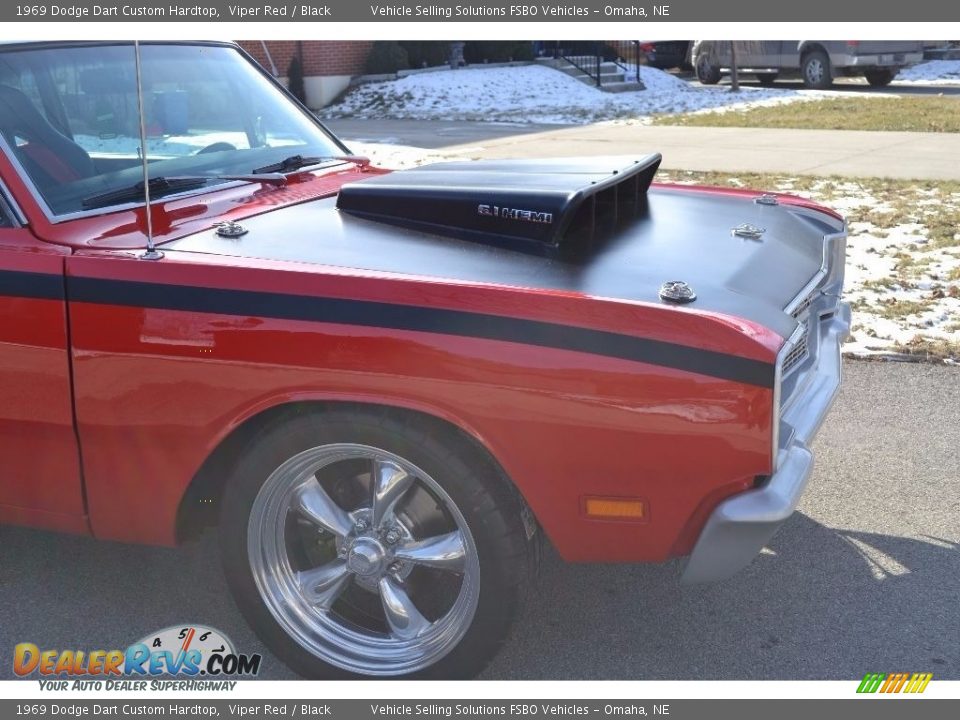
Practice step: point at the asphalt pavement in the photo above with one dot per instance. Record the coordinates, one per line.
(864, 577)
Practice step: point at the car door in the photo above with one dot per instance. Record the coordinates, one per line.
(790, 54)
(758, 54)
(40, 481)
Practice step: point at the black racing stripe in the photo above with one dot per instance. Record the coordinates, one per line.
(44, 286)
(422, 319)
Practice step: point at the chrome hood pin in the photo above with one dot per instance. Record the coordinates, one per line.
(230, 229)
(677, 291)
(748, 231)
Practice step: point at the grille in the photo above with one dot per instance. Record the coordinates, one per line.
(797, 355)
(800, 352)
(802, 307)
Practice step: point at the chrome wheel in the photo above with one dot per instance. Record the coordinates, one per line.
(363, 559)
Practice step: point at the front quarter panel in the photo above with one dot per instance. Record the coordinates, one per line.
(170, 356)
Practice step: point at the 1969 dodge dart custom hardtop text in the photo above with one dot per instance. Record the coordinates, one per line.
(386, 388)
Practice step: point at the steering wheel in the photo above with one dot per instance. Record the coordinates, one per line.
(216, 147)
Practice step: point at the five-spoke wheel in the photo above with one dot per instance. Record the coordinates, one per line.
(363, 546)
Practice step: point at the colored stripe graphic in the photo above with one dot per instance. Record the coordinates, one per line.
(894, 682)
(870, 683)
(41, 286)
(462, 323)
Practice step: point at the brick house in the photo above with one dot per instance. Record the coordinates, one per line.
(328, 65)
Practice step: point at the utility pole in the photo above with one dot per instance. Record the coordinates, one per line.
(734, 78)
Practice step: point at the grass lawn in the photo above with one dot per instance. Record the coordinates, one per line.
(918, 114)
(903, 255)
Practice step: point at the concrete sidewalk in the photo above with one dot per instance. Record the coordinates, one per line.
(906, 155)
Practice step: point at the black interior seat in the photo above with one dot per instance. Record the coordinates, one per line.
(48, 155)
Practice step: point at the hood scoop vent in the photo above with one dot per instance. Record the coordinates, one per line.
(557, 206)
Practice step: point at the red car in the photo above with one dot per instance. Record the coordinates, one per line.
(386, 388)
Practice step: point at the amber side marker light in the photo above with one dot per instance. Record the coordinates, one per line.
(607, 508)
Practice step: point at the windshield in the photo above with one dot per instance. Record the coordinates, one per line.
(69, 115)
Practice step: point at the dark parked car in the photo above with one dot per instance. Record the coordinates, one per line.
(668, 54)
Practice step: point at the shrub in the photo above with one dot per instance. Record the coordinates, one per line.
(496, 51)
(387, 56)
(295, 79)
(426, 53)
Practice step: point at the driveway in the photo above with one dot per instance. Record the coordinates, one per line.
(865, 577)
(848, 153)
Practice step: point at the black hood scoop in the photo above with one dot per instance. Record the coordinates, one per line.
(556, 206)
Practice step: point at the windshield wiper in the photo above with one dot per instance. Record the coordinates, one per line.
(160, 186)
(297, 162)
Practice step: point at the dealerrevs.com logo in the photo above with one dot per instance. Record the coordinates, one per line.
(183, 651)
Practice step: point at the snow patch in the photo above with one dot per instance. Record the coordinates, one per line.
(932, 72)
(535, 94)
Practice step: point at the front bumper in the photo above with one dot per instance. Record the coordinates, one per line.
(738, 528)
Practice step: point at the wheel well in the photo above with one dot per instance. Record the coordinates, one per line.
(807, 49)
(200, 505)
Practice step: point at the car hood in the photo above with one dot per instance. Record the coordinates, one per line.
(676, 233)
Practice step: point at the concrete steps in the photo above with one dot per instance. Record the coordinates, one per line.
(612, 76)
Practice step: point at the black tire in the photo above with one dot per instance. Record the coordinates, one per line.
(471, 478)
(815, 70)
(767, 79)
(880, 77)
(707, 73)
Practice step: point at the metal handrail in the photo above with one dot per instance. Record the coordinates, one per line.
(588, 58)
(561, 53)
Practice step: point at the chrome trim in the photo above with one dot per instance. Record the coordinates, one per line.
(777, 385)
(828, 265)
(8, 203)
(738, 528)
(823, 292)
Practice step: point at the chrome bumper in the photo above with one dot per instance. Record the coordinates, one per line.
(738, 528)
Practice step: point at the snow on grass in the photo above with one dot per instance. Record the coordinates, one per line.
(536, 94)
(903, 258)
(932, 72)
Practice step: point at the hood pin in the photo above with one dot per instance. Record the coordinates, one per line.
(677, 291)
(230, 229)
(748, 231)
